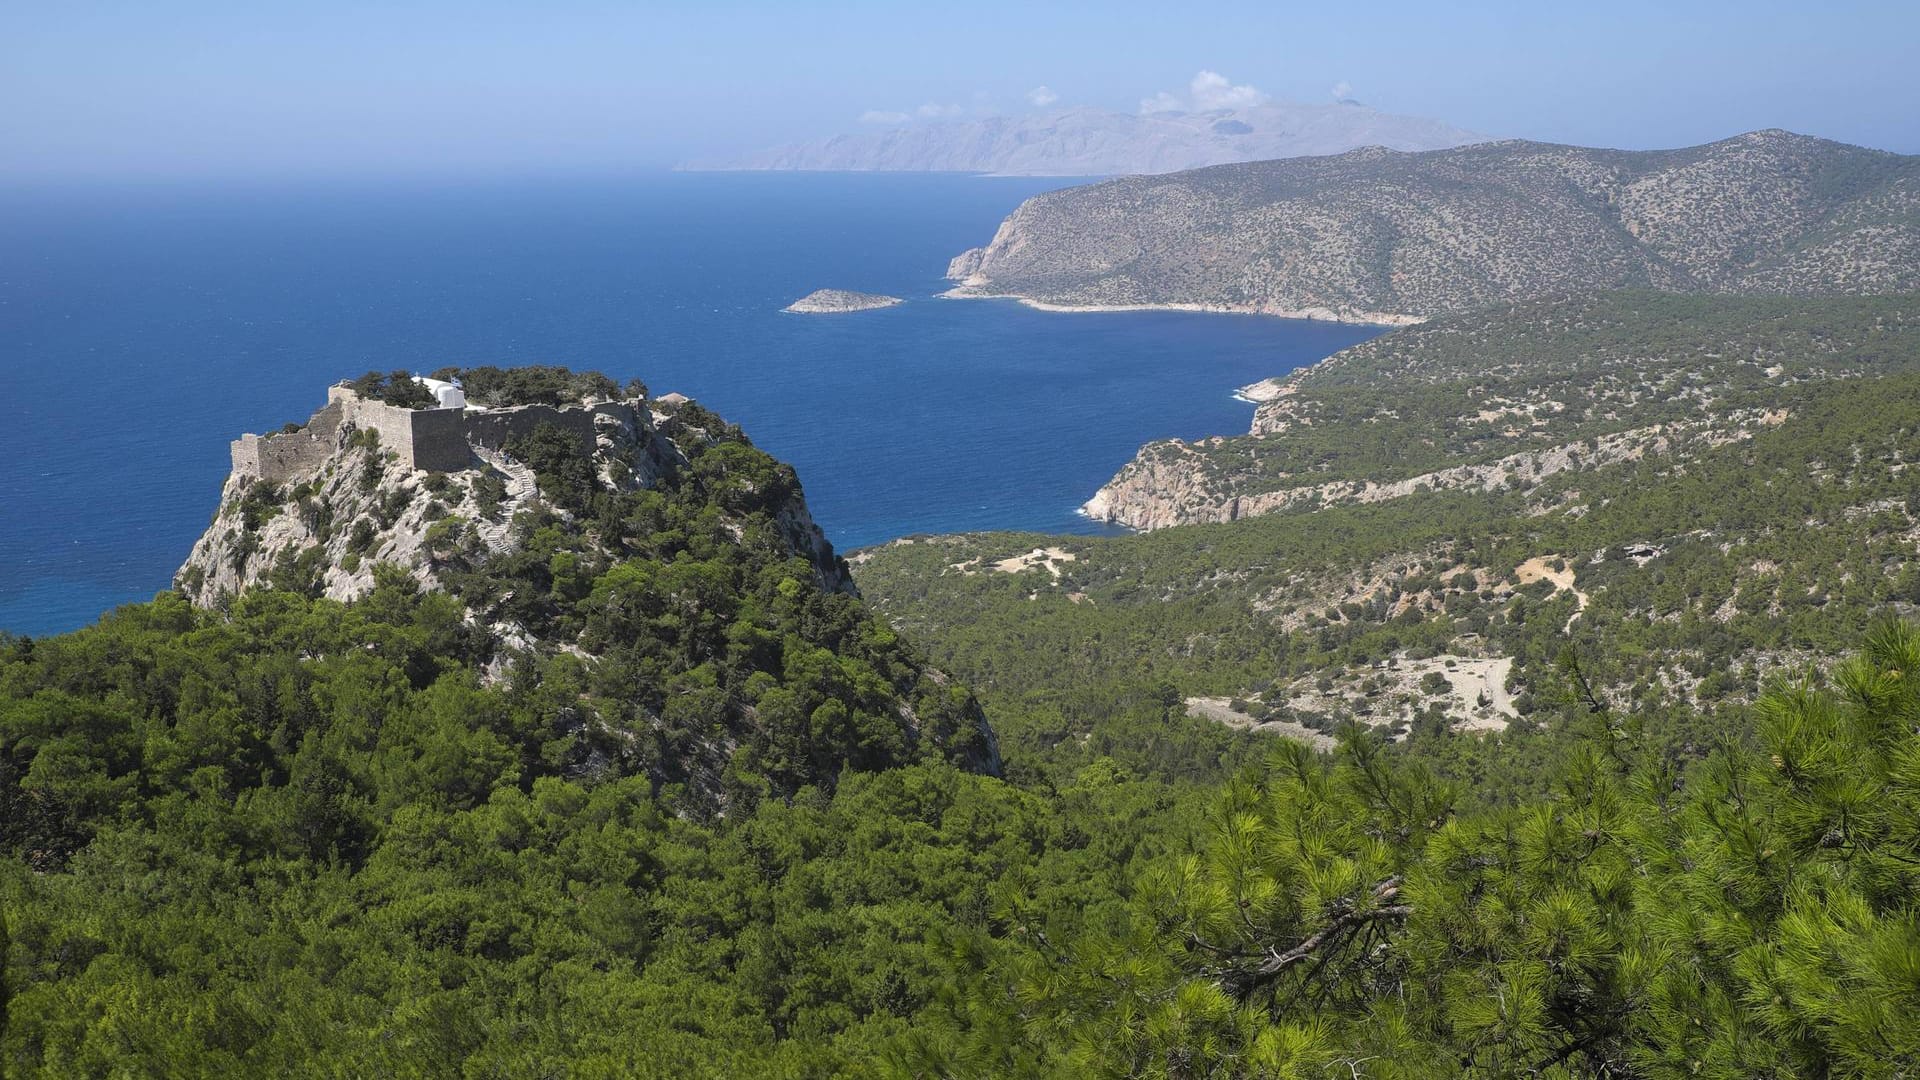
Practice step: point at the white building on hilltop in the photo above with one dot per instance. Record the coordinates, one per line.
(447, 394)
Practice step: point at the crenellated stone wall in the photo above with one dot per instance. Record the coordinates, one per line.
(436, 440)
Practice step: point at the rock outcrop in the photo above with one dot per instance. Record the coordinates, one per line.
(834, 301)
(640, 551)
(341, 499)
(1378, 236)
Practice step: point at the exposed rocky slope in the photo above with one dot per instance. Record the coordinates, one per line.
(1508, 398)
(640, 550)
(833, 301)
(1096, 142)
(1379, 236)
(326, 530)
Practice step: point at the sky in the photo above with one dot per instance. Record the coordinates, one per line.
(192, 89)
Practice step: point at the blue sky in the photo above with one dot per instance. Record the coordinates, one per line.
(183, 89)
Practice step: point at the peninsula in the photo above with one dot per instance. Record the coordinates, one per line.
(1378, 236)
(1520, 397)
(834, 301)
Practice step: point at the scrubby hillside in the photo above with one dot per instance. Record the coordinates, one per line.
(1731, 486)
(1508, 397)
(665, 566)
(1379, 236)
(1749, 914)
(288, 835)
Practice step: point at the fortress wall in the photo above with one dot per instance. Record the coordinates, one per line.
(439, 440)
(494, 427)
(246, 455)
(432, 439)
(395, 425)
(279, 457)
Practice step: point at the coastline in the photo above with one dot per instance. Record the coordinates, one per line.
(1272, 388)
(1313, 314)
(1100, 506)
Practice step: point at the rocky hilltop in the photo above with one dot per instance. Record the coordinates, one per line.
(638, 549)
(432, 491)
(1099, 142)
(1380, 236)
(1507, 398)
(833, 301)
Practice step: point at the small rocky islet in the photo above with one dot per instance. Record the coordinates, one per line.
(832, 301)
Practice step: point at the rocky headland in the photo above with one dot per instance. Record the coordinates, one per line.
(1508, 398)
(435, 492)
(1384, 237)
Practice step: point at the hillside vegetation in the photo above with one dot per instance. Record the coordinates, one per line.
(1379, 236)
(667, 570)
(1691, 567)
(1511, 396)
(1567, 778)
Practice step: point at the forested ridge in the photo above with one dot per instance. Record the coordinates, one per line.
(725, 820)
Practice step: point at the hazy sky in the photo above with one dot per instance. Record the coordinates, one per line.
(181, 88)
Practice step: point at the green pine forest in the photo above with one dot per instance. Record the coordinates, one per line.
(971, 823)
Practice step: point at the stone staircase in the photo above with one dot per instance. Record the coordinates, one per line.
(520, 489)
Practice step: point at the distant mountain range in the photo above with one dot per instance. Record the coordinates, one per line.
(1097, 142)
(1379, 236)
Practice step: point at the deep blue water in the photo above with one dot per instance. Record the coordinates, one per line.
(141, 329)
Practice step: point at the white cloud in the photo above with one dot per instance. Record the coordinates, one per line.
(882, 116)
(1211, 90)
(1162, 102)
(932, 111)
(1042, 96)
(1208, 91)
(1342, 90)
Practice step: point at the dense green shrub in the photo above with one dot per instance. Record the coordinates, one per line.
(532, 384)
(397, 387)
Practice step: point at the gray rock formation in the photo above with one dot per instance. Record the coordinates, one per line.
(1385, 237)
(833, 301)
(1096, 142)
(340, 495)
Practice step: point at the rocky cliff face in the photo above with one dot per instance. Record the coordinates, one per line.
(1385, 237)
(324, 530)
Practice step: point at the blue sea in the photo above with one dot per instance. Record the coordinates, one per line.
(142, 328)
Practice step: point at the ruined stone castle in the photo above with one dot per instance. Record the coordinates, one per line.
(437, 439)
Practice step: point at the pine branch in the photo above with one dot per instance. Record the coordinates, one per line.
(1243, 983)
